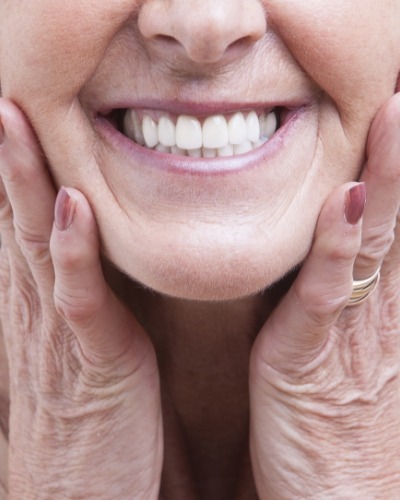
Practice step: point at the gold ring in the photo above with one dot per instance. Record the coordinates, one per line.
(362, 289)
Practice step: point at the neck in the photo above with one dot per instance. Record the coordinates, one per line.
(203, 350)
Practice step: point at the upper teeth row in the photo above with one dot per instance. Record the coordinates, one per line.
(216, 136)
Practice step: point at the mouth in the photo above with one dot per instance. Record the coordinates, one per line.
(208, 136)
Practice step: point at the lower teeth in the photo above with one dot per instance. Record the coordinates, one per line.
(228, 150)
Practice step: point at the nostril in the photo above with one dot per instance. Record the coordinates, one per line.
(166, 39)
(168, 45)
(244, 42)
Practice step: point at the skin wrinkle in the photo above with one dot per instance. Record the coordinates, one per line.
(219, 240)
(96, 154)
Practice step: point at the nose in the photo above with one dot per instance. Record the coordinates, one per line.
(207, 31)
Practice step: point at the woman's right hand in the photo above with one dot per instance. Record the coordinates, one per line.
(85, 402)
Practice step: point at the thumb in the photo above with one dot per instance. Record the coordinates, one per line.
(106, 330)
(299, 327)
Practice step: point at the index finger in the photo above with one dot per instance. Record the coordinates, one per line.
(382, 179)
(28, 186)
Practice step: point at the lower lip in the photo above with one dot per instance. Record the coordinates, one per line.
(201, 166)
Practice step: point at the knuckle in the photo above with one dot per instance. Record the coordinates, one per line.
(339, 253)
(21, 168)
(367, 261)
(78, 307)
(12, 175)
(376, 244)
(34, 247)
(68, 258)
(6, 213)
(322, 301)
(380, 237)
(342, 255)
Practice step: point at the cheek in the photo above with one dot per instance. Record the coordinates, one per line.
(55, 45)
(355, 59)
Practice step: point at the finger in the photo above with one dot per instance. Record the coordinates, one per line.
(5, 280)
(105, 329)
(299, 327)
(382, 178)
(6, 234)
(29, 189)
(6, 216)
(5, 207)
(393, 256)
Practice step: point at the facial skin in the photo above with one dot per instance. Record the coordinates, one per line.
(192, 235)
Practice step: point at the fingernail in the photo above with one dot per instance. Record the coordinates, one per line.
(355, 203)
(64, 210)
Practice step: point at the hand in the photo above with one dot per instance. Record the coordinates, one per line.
(85, 405)
(325, 378)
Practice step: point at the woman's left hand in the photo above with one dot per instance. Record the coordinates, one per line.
(324, 376)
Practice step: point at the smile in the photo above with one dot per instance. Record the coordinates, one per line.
(213, 136)
(202, 139)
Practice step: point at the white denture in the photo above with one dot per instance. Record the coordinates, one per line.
(188, 133)
(150, 132)
(237, 129)
(209, 137)
(215, 132)
(269, 125)
(253, 127)
(166, 132)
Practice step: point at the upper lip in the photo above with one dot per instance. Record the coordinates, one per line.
(176, 107)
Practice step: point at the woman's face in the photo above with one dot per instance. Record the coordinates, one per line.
(195, 227)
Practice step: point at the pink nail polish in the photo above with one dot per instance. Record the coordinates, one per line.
(64, 210)
(355, 203)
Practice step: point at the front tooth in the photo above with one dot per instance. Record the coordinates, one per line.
(166, 131)
(253, 127)
(245, 147)
(150, 132)
(237, 129)
(188, 133)
(133, 127)
(215, 132)
(270, 125)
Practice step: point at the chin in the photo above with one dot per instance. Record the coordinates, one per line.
(217, 275)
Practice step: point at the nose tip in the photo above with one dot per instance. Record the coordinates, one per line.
(208, 31)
